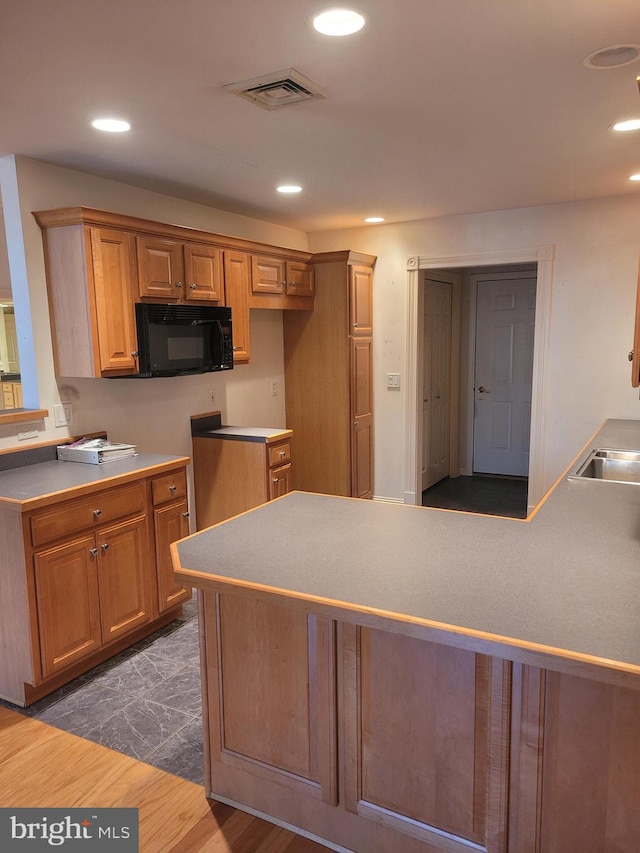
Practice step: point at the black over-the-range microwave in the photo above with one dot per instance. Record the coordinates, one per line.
(176, 340)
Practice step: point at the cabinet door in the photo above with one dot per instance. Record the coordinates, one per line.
(67, 603)
(279, 481)
(237, 281)
(361, 294)
(160, 268)
(171, 523)
(299, 279)
(203, 273)
(271, 697)
(361, 419)
(124, 575)
(267, 274)
(113, 254)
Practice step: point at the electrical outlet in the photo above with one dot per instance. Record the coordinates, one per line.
(28, 432)
(212, 397)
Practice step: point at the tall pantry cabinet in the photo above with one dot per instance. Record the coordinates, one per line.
(328, 378)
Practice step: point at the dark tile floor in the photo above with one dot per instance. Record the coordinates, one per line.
(144, 702)
(491, 495)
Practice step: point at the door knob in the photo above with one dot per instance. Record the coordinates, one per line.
(483, 390)
(630, 356)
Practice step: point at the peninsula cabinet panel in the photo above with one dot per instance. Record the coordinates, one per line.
(271, 696)
(426, 728)
(578, 745)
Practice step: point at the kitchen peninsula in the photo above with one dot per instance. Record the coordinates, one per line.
(387, 677)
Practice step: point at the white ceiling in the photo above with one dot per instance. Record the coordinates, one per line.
(436, 107)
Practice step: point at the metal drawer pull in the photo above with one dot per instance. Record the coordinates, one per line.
(105, 545)
(93, 552)
(193, 285)
(172, 488)
(178, 284)
(276, 479)
(97, 513)
(283, 453)
(185, 514)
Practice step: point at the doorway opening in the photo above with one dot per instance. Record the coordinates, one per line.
(477, 338)
(476, 373)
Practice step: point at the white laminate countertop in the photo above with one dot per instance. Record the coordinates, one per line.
(26, 485)
(566, 582)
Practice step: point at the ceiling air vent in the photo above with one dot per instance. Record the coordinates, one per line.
(278, 90)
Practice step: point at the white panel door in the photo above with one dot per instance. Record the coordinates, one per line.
(436, 382)
(505, 316)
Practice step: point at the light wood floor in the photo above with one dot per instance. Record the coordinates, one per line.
(41, 766)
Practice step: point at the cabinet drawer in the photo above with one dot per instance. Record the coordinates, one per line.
(87, 513)
(279, 481)
(169, 487)
(279, 454)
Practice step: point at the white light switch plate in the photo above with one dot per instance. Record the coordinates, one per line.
(62, 414)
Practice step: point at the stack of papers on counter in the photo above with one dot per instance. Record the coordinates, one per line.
(95, 451)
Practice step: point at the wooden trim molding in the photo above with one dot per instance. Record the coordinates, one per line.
(105, 219)
(19, 416)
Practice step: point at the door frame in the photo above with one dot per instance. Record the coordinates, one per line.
(468, 410)
(454, 279)
(543, 256)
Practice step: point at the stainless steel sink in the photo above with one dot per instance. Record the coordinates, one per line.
(615, 466)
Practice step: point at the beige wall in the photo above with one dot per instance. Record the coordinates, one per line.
(595, 270)
(594, 282)
(152, 413)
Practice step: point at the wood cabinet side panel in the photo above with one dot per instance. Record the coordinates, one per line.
(16, 637)
(635, 354)
(317, 386)
(230, 477)
(71, 309)
(170, 523)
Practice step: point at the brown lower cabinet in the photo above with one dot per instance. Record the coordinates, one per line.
(87, 576)
(378, 739)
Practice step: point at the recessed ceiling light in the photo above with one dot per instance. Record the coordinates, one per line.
(289, 188)
(614, 56)
(111, 125)
(629, 124)
(374, 219)
(634, 177)
(338, 22)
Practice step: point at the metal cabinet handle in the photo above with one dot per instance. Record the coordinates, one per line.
(356, 423)
(193, 285)
(276, 479)
(172, 488)
(97, 513)
(283, 282)
(283, 453)
(178, 284)
(134, 354)
(105, 546)
(93, 552)
(355, 325)
(630, 356)
(185, 514)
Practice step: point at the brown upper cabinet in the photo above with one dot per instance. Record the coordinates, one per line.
(99, 264)
(280, 283)
(179, 272)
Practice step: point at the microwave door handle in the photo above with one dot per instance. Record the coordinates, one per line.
(217, 324)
